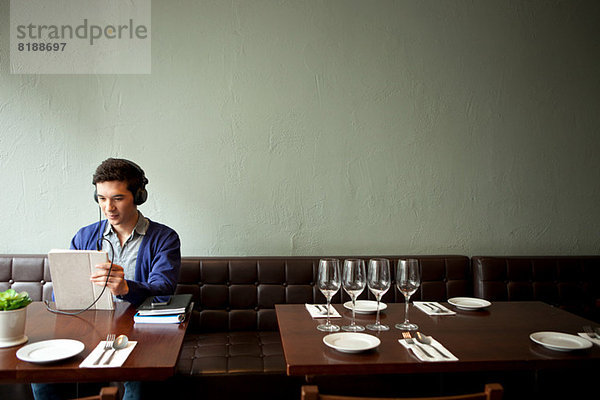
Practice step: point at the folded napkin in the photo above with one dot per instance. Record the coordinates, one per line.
(117, 360)
(317, 311)
(433, 308)
(417, 349)
(585, 336)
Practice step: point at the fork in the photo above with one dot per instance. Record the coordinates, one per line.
(411, 342)
(321, 309)
(436, 309)
(588, 331)
(110, 338)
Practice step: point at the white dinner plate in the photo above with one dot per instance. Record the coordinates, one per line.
(469, 303)
(351, 342)
(50, 350)
(365, 306)
(560, 341)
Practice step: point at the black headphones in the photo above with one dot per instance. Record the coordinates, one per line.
(140, 195)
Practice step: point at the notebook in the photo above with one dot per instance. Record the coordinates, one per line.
(178, 304)
(70, 271)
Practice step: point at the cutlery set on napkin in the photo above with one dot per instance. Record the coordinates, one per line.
(593, 340)
(320, 311)
(426, 348)
(107, 359)
(593, 335)
(433, 308)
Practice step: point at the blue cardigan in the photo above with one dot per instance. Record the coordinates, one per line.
(158, 261)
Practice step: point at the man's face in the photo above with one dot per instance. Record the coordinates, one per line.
(116, 202)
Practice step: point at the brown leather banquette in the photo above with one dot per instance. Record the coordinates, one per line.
(568, 282)
(232, 345)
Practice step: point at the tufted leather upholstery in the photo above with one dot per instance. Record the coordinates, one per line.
(570, 282)
(240, 293)
(233, 328)
(28, 272)
(231, 353)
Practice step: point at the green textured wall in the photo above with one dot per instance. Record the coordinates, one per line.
(326, 127)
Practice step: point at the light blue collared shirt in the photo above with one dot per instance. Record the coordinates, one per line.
(126, 255)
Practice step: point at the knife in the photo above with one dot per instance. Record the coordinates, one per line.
(437, 309)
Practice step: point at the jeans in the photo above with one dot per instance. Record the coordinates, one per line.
(61, 391)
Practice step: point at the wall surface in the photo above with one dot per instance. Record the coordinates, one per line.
(326, 127)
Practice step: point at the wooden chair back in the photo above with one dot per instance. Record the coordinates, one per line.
(106, 393)
(492, 391)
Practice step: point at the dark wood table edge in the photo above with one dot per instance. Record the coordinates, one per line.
(443, 367)
(36, 373)
(449, 367)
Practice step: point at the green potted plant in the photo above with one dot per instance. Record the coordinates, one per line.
(13, 313)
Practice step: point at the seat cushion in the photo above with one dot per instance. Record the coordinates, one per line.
(231, 353)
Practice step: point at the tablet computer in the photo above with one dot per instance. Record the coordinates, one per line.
(70, 271)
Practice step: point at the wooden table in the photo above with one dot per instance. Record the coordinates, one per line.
(153, 358)
(494, 339)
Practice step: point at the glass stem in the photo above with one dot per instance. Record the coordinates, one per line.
(377, 317)
(353, 310)
(328, 302)
(406, 298)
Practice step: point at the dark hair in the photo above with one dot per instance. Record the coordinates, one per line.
(118, 169)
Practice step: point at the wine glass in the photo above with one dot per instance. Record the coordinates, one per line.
(378, 280)
(408, 280)
(353, 282)
(329, 283)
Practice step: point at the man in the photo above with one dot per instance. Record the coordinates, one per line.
(145, 255)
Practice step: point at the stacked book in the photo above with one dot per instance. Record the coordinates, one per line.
(173, 312)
